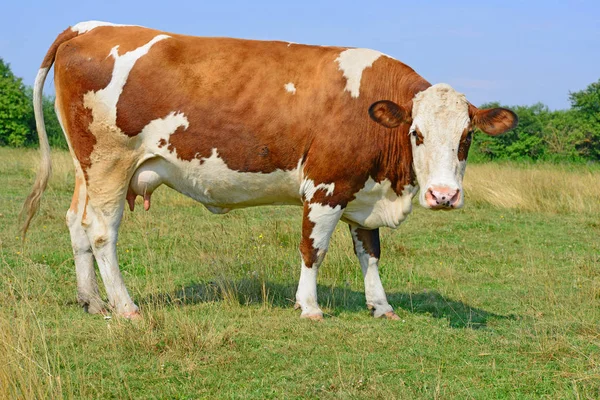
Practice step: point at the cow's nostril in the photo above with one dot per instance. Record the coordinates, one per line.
(442, 197)
(454, 198)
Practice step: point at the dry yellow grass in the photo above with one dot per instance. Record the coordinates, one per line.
(27, 367)
(538, 188)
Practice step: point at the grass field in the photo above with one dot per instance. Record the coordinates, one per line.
(498, 300)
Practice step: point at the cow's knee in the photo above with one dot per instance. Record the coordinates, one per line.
(79, 239)
(71, 218)
(100, 241)
(88, 295)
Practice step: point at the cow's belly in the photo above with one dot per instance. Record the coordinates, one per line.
(377, 205)
(213, 184)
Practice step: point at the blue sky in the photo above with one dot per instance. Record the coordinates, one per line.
(515, 52)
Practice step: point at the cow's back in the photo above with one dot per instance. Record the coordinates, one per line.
(234, 93)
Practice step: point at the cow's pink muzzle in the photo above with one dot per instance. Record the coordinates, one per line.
(442, 197)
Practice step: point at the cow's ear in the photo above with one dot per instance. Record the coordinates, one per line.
(389, 114)
(493, 121)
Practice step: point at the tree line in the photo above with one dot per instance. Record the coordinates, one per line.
(17, 123)
(542, 134)
(561, 135)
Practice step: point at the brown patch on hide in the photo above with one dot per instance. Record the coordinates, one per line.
(369, 240)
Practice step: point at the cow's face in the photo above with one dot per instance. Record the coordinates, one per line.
(441, 124)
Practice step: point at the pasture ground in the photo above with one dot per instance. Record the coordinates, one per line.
(498, 300)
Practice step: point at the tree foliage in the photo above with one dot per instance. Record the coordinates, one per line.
(586, 107)
(15, 109)
(17, 121)
(587, 101)
(570, 135)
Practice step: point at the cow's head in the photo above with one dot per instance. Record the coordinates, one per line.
(441, 126)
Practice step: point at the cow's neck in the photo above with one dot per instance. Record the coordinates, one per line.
(396, 158)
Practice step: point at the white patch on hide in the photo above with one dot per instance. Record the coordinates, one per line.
(290, 88)
(87, 26)
(352, 63)
(103, 103)
(162, 128)
(308, 189)
(150, 172)
(211, 182)
(325, 219)
(377, 205)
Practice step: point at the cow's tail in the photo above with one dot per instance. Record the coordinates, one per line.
(32, 203)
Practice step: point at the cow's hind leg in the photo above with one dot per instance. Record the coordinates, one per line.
(366, 248)
(87, 285)
(103, 213)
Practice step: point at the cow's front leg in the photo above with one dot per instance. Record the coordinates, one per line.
(366, 248)
(318, 223)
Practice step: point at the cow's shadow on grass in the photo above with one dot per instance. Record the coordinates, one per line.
(337, 299)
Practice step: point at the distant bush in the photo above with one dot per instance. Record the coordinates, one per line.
(17, 122)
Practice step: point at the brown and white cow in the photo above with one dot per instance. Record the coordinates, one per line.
(348, 134)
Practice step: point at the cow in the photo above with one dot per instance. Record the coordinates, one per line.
(348, 134)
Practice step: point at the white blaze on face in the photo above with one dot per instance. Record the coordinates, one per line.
(87, 26)
(290, 88)
(352, 63)
(441, 115)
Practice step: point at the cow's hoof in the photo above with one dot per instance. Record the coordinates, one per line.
(93, 306)
(313, 313)
(133, 315)
(312, 317)
(391, 315)
(95, 309)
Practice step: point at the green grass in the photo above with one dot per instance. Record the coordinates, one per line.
(494, 303)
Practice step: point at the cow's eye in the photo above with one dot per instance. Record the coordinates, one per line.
(418, 137)
(469, 137)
